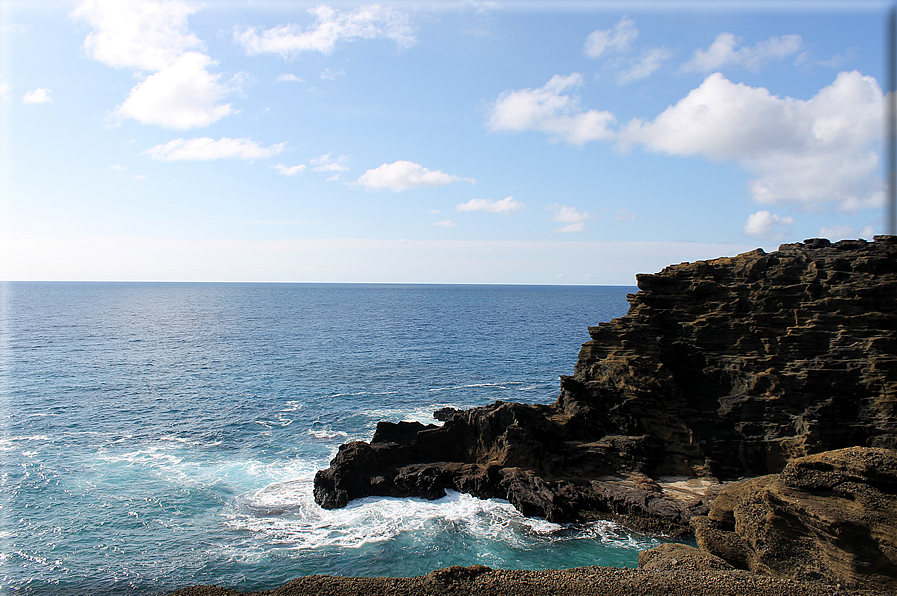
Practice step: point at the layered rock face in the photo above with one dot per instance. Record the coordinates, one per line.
(721, 369)
(827, 517)
(737, 365)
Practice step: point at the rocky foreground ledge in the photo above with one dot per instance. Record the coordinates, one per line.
(685, 578)
(825, 526)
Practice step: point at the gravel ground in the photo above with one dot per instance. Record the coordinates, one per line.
(603, 581)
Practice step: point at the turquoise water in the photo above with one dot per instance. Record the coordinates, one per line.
(160, 435)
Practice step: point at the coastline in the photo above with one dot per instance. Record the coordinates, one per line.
(688, 580)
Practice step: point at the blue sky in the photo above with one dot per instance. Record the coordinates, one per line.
(444, 142)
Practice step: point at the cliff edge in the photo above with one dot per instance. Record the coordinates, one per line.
(721, 369)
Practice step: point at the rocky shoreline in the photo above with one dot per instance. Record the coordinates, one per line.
(682, 579)
(750, 401)
(721, 370)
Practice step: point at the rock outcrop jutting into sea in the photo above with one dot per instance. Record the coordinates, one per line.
(721, 369)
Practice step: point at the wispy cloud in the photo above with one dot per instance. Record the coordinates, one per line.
(39, 95)
(722, 52)
(505, 205)
(835, 233)
(619, 37)
(574, 219)
(14, 28)
(331, 26)
(547, 110)
(650, 60)
(330, 75)
(290, 170)
(287, 78)
(206, 149)
(325, 163)
(402, 175)
(445, 223)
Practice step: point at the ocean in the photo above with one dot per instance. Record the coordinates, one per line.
(157, 435)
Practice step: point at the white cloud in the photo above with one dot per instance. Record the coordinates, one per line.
(290, 170)
(575, 228)
(287, 78)
(152, 35)
(619, 37)
(546, 110)
(722, 52)
(147, 35)
(332, 74)
(5, 88)
(403, 174)
(505, 205)
(325, 164)
(650, 61)
(836, 233)
(624, 215)
(205, 149)
(821, 150)
(184, 95)
(767, 225)
(574, 219)
(445, 223)
(565, 214)
(331, 26)
(39, 95)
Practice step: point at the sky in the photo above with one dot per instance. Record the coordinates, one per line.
(430, 142)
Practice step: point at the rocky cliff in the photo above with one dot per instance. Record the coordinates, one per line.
(721, 369)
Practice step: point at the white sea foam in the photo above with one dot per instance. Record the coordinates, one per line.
(326, 433)
(171, 462)
(153, 454)
(191, 443)
(9, 443)
(285, 514)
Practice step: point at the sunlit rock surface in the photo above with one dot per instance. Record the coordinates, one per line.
(826, 517)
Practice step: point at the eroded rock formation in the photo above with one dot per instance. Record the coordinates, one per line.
(827, 517)
(721, 369)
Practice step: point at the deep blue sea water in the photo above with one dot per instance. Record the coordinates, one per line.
(157, 435)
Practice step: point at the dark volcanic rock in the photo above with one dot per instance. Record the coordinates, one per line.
(738, 365)
(827, 517)
(721, 369)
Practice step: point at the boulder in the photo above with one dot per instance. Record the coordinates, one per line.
(827, 517)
